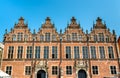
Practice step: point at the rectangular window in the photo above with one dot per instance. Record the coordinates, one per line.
(27, 70)
(68, 70)
(47, 36)
(95, 37)
(41, 38)
(93, 52)
(9, 70)
(54, 52)
(85, 52)
(110, 52)
(95, 70)
(102, 52)
(46, 52)
(20, 51)
(54, 70)
(74, 36)
(101, 37)
(68, 37)
(20, 36)
(37, 52)
(10, 52)
(76, 52)
(68, 52)
(29, 52)
(113, 69)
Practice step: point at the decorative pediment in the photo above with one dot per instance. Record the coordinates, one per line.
(41, 65)
(21, 24)
(48, 23)
(99, 24)
(73, 24)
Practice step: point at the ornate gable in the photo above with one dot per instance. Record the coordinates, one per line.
(47, 32)
(100, 32)
(74, 32)
(20, 32)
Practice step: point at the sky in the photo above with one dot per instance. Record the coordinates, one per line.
(60, 12)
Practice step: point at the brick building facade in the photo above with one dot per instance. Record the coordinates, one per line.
(51, 54)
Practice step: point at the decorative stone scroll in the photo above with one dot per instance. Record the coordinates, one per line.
(82, 64)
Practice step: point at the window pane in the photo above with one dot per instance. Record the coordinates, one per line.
(20, 51)
(93, 52)
(29, 52)
(68, 52)
(68, 70)
(47, 36)
(110, 52)
(10, 52)
(76, 52)
(102, 52)
(85, 51)
(37, 52)
(54, 51)
(74, 36)
(46, 52)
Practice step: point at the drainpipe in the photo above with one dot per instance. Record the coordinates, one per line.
(60, 54)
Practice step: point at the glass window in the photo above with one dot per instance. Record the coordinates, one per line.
(46, 52)
(37, 52)
(110, 52)
(107, 38)
(76, 52)
(93, 52)
(41, 38)
(74, 36)
(20, 51)
(113, 69)
(54, 70)
(95, 70)
(25, 37)
(9, 70)
(85, 51)
(80, 38)
(95, 37)
(20, 36)
(68, 70)
(101, 37)
(27, 70)
(68, 37)
(68, 52)
(14, 37)
(10, 52)
(54, 52)
(29, 52)
(47, 36)
(102, 52)
(54, 37)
